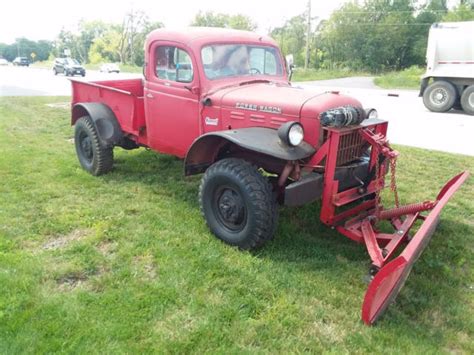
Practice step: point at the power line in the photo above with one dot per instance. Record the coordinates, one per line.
(384, 24)
(389, 12)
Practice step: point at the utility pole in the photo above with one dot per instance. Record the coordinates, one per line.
(308, 36)
(132, 19)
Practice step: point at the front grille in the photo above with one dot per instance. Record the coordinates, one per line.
(351, 147)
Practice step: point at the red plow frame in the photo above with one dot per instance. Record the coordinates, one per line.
(359, 222)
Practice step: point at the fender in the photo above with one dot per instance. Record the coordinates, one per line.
(205, 149)
(104, 119)
(423, 85)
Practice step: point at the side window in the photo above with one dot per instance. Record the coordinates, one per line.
(173, 64)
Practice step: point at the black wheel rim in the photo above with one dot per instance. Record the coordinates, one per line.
(85, 147)
(229, 208)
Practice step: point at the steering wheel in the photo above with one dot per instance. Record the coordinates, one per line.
(255, 71)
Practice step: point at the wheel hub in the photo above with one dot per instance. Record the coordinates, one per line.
(86, 147)
(439, 96)
(230, 208)
(471, 99)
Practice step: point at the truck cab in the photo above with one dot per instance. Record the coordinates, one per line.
(221, 100)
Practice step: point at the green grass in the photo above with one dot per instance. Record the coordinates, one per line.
(124, 262)
(314, 74)
(404, 79)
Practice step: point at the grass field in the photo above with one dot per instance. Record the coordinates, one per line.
(404, 79)
(124, 262)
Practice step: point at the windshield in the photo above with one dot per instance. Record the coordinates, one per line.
(231, 60)
(71, 61)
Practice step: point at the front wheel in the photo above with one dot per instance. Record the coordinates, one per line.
(93, 156)
(238, 204)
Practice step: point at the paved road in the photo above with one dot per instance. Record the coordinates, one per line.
(410, 123)
(26, 81)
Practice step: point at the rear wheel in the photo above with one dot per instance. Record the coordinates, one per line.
(238, 204)
(467, 100)
(93, 156)
(55, 71)
(440, 96)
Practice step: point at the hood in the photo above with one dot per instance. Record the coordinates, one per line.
(283, 100)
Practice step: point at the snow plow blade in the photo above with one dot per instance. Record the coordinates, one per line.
(388, 281)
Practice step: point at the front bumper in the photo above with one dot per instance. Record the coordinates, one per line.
(310, 187)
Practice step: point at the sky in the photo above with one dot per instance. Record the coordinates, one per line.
(43, 19)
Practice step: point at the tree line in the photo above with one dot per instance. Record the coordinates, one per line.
(374, 35)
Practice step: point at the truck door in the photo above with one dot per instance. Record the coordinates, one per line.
(171, 98)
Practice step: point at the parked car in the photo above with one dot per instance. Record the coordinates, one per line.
(68, 67)
(3, 61)
(21, 61)
(109, 68)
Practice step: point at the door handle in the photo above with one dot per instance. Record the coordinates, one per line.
(149, 96)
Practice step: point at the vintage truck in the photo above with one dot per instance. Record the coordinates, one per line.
(221, 100)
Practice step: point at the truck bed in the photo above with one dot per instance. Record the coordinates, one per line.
(124, 97)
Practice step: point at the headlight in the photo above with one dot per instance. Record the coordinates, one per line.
(291, 133)
(371, 113)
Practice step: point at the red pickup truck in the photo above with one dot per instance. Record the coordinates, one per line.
(221, 100)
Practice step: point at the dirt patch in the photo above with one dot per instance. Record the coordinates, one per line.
(60, 241)
(71, 281)
(145, 267)
(107, 248)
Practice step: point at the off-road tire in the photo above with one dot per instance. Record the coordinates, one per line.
(92, 154)
(467, 100)
(251, 192)
(440, 96)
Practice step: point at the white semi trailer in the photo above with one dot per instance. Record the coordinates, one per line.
(449, 79)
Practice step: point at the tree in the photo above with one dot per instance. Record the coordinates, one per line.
(211, 19)
(378, 35)
(25, 47)
(123, 43)
(291, 37)
(464, 12)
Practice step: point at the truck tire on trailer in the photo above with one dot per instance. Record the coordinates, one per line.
(238, 203)
(467, 100)
(440, 96)
(93, 156)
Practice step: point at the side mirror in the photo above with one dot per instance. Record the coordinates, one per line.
(290, 71)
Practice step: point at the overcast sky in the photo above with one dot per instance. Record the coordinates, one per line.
(43, 19)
